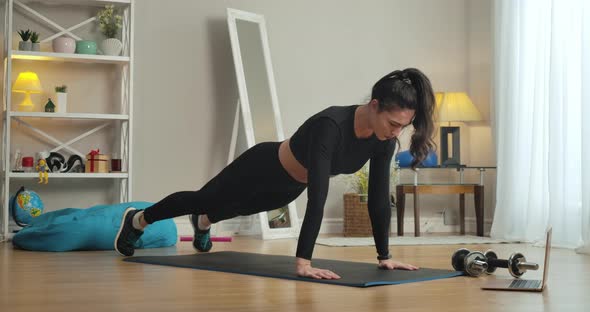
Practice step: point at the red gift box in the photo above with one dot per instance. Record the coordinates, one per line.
(96, 162)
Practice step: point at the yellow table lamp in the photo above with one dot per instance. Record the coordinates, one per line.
(452, 107)
(27, 83)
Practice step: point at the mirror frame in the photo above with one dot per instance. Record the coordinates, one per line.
(233, 16)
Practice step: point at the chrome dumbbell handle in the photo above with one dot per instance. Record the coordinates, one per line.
(518, 265)
(476, 267)
(501, 263)
(528, 266)
(475, 263)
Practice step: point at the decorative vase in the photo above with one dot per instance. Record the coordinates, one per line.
(24, 45)
(62, 102)
(35, 46)
(64, 45)
(111, 46)
(85, 47)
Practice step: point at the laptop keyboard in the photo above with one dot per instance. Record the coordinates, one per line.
(526, 284)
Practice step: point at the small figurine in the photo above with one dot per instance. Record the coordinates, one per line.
(49, 107)
(42, 168)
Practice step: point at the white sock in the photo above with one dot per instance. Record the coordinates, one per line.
(136, 223)
(201, 226)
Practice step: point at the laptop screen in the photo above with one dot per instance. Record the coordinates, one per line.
(547, 249)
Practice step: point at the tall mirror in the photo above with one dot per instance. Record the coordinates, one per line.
(259, 105)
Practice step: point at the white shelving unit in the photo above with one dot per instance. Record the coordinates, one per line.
(34, 175)
(12, 118)
(68, 115)
(63, 57)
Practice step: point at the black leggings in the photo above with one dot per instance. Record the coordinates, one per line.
(254, 182)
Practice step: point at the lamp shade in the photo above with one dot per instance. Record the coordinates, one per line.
(455, 106)
(27, 82)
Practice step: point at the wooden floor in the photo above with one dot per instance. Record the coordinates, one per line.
(100, 281)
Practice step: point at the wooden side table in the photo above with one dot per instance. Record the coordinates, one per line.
(476, 189)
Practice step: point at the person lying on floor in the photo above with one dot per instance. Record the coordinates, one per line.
(337, 140)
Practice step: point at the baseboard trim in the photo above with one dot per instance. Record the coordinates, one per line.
(251, 226)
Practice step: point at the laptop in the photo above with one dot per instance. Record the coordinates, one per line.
(523, 284)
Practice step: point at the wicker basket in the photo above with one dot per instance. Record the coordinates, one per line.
(356, 216)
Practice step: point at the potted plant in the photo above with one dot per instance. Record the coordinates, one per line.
(109, 24)
(358, 183)
(356, 214)
(35, 45)
(24, 45)
(62, 98)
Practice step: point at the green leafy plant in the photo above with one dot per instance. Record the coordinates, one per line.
(109, 22)
(359, 181)
(34, 37)
(61, 89)
(25, 34)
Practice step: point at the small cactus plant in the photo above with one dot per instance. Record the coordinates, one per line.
(34, 37)
(25, 34)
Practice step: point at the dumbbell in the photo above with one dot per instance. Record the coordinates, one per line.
(473, 263)
(516, 263)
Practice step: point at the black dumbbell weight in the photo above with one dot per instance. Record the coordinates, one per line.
(473, 263)
(516, 263)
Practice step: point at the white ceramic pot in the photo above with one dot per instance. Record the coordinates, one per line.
(64, 45)
(111, 46)
(62, 102)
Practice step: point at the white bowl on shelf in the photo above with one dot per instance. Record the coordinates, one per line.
(64, 45)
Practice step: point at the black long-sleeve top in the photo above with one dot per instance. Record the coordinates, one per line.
(326, 145)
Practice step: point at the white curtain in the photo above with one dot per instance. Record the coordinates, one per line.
(542, 120)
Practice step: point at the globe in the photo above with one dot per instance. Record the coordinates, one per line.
(27, 205)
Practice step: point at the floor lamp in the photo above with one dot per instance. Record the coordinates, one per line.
(453, 107)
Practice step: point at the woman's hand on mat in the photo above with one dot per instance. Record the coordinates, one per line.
(304, 269)
(394, 265)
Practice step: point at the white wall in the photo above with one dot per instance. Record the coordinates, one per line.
(324, 53)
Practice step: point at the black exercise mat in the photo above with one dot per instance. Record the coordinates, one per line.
(353, 273)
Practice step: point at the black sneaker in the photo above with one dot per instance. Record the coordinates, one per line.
(127, 235)
(202, 238)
